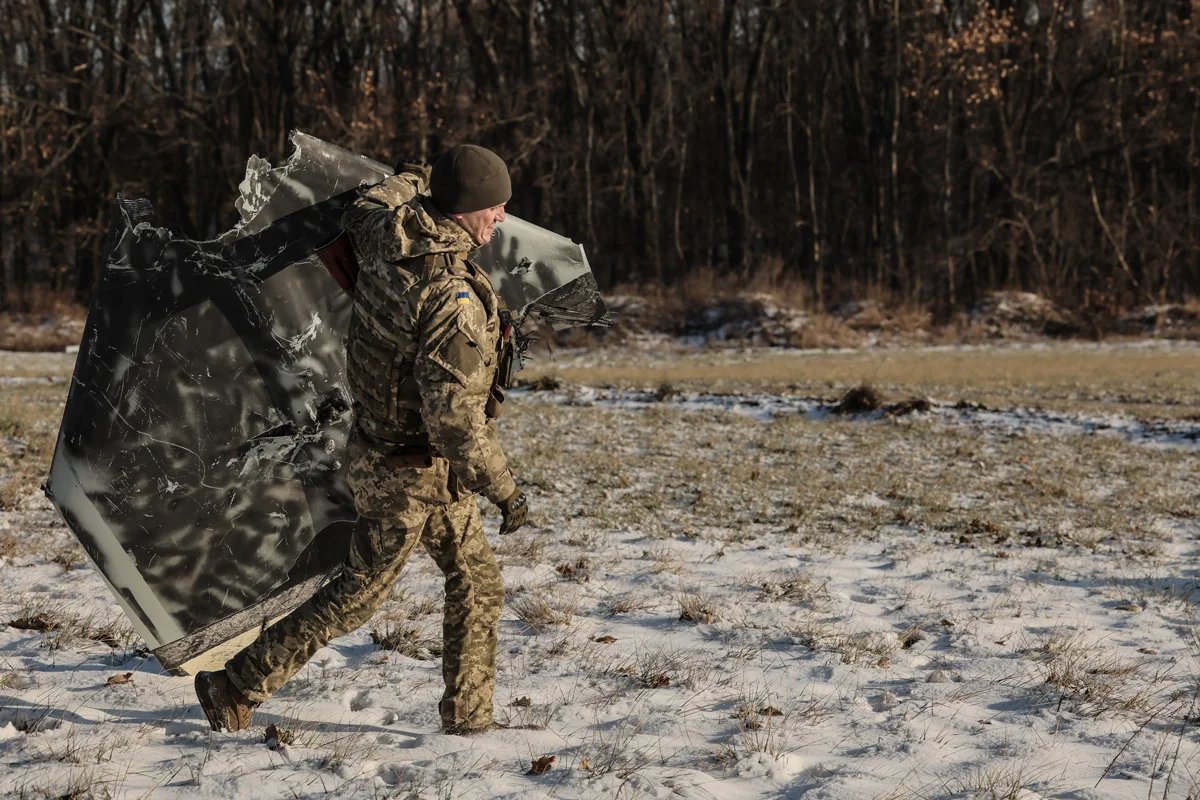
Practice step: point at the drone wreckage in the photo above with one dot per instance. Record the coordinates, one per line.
(198, 458)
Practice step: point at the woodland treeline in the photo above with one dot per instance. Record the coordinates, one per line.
(922, 151)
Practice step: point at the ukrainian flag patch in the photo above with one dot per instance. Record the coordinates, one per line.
(463, 298)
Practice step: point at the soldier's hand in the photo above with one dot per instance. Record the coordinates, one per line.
(515, 510)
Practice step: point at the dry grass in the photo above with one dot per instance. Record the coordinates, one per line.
(697, 608)
(660, 667)
(29, 418)
(540, 612)
(48, 321)
(1086, 675)
(631, 602)
(1004, 782)
(821, 483)
(407, 640)
(64, 626)
(521, 550)
(650, 507)
(1158, 381)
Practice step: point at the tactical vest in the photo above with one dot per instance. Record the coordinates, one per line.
(383, 340)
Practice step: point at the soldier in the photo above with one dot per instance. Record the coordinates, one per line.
(421, 357)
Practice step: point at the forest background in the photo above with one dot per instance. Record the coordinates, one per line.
(922, 152)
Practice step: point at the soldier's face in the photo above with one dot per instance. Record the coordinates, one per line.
(481, 224)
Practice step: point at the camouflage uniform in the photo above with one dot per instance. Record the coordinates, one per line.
(421, 356)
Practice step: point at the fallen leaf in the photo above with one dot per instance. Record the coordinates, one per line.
(521, 702)
(541, 765)
(1129, 607)
(770, 711)
(585, 765)
(116, 680)
(605, 639)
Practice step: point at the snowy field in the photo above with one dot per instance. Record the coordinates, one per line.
(728, 591)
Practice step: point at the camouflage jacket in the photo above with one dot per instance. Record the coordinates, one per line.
(421, 352)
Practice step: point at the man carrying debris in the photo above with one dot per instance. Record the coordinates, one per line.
(421, 358)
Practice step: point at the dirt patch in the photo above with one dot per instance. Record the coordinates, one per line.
(859, 400)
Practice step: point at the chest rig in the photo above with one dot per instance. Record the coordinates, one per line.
(384, 340)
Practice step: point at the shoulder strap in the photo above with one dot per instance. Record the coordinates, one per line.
(449, 263)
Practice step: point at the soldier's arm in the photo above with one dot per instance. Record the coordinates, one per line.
(454, 373)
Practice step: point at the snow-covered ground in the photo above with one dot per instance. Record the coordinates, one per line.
(719, 597)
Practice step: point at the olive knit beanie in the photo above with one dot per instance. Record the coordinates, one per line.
(469, 178)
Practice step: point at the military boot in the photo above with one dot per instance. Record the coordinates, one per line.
(226, 708)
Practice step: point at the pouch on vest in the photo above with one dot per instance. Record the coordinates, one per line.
(459, 355)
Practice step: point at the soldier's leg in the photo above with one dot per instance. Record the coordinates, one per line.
(378, 553)
(474, 597)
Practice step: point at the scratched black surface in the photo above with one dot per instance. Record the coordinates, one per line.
(205, 419)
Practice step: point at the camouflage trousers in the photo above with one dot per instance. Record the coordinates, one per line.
(452, 533)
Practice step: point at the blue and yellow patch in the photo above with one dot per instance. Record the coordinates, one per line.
(463, 297)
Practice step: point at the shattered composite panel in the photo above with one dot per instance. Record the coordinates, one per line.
(198, 458)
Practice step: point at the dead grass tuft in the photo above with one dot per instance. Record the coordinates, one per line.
(662, 560)
(1092, 680)
(523, 551)
(539, 613)
(697, 608)
(768, 726)
(407, 640)
(630, 602)
(615, 749)
(1004, 782)
(660, 667)
(854, 647)
(66, 627)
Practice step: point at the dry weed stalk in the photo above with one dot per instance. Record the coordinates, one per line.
(520, 550)
(407, 640)
(630, 602)
(663, 560)
(65, 627)
(1095, 682)
(539, 613)
(697, 608)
